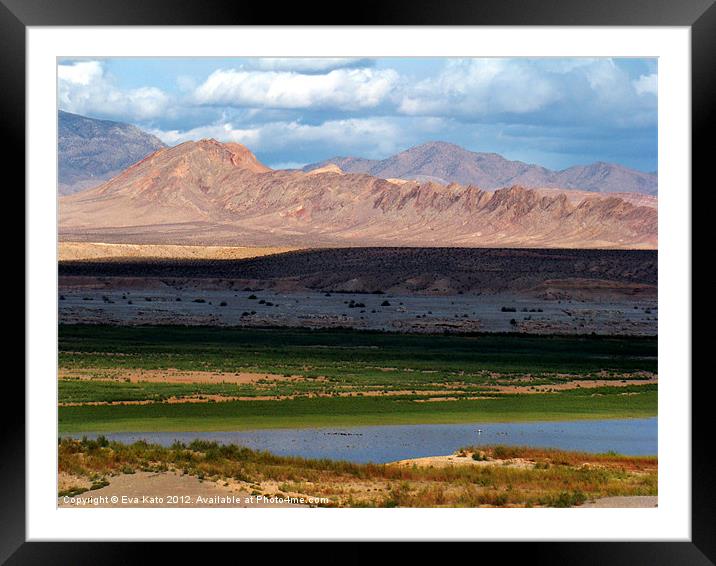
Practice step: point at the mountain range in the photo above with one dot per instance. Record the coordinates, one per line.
(92, 151)
(207, 192)
(446, 163)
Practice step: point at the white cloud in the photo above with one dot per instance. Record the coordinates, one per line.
(345, 89)
(224, 132)
(577, 90)
(288, 165)
(646, 84)
(370, 110)
(307, 64)
(84, 88)
(563, 65)
(478, 87)
(371, 135)
(80, 73)
(616, 97)
(609, 83)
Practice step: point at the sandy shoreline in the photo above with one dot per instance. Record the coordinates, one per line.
(172, 488)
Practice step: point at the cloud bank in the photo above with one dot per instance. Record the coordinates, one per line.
(297, 110)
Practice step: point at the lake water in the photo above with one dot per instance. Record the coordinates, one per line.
(382, 444)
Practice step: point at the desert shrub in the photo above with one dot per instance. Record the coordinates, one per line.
(99, 484)
(505, 452)
(72, 492)
(564, 499)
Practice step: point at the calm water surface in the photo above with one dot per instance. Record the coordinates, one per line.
(382, 444)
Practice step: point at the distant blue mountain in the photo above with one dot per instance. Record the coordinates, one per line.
(92, 151)
(454, 164)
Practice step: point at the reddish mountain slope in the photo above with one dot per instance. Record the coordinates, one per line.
(208, 192)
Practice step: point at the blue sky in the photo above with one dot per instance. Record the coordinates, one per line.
(556, 112)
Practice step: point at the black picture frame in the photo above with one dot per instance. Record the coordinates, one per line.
(699, 15)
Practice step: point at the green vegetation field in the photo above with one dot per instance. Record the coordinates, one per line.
(351, 411)
(341, 377)
(341, 352)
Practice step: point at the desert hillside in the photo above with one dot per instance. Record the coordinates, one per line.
(211, 193)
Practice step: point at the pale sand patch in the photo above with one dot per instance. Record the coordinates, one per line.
(185, 399)
(467, 398)
(624, 501)
(456, 460)
(162, 486)
(67, 481)
(172, 375)
(576, 384)
(206, 398)
(69, 251)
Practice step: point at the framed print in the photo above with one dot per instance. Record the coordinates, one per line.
(424, 275)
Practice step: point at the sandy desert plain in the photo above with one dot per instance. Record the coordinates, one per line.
(343, 377)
